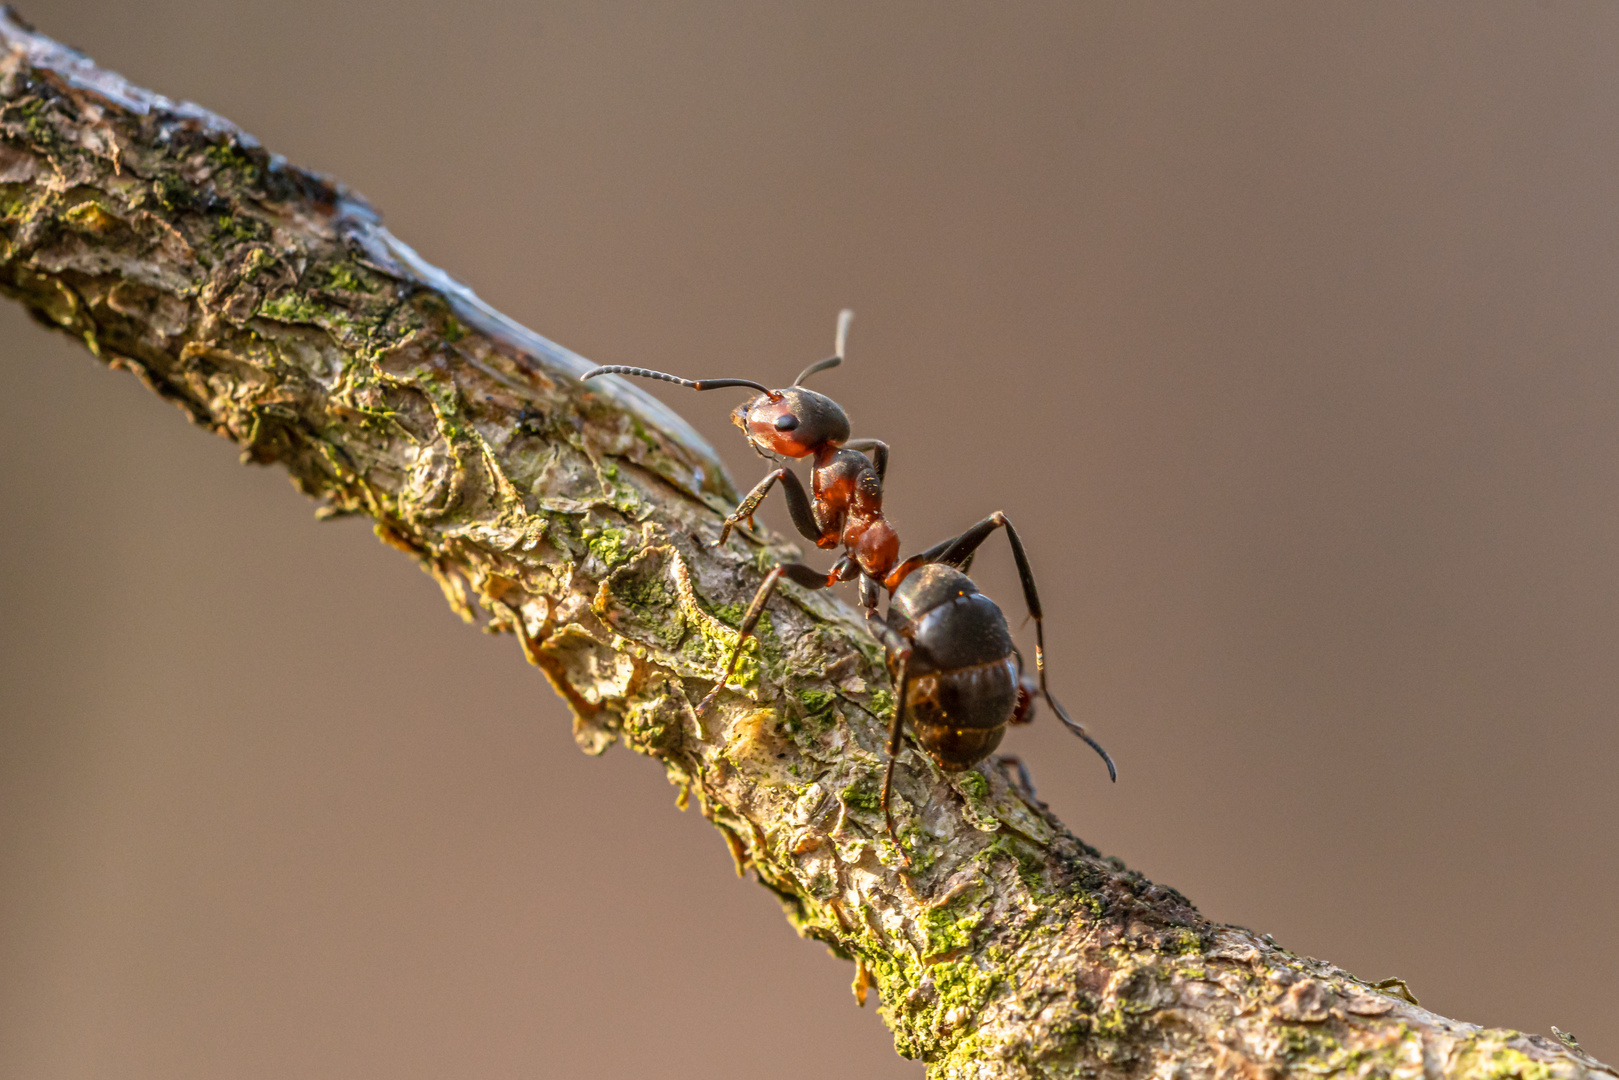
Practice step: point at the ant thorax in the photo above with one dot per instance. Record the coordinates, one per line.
(849, 509)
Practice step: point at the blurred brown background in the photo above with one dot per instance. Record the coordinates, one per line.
(1286, 334)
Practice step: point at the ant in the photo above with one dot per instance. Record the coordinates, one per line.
(949, 650)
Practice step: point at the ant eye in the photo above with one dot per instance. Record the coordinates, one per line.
(786, 422)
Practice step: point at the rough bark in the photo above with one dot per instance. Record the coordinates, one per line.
(273, 308)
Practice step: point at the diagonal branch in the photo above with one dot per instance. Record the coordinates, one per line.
(272, 307)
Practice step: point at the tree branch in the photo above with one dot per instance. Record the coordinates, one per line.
(272, 307)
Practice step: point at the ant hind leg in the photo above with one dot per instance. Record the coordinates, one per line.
(899, 652)
(896, 732)
(959, 553)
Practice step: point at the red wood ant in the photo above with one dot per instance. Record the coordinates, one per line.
(956, 672)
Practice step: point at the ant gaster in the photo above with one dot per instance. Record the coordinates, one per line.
(956, 672)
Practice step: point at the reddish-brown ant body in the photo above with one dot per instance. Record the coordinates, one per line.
(956, 672)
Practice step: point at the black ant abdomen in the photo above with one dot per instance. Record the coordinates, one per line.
(965, 675)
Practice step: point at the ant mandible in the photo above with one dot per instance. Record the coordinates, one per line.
(955, 669)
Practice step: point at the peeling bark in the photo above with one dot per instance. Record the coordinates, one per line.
(272, 307)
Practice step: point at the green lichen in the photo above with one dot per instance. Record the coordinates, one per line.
(1320, 1050)
(366, 330)
(710, 648)
(1301, 1043)
(961, 985)
(863, 794)
(91, 216)
(648, 604)
(765, 645)
(620, 494)
(258, 260)
(612, 547)
(229, 156)
(1485, 1056)
(18, 202)
(232, 228)
(291, 307)
(343, 277)
(949, 927)
(647, 593)
(929, 1006)
(819, 712)
(822, 886)
(977, 807)
(33, 113)
(973, 784)
(1120, 1022)
(651, 726)
(173, 194)
(763, 560)
(919, 847)
(1031, 868)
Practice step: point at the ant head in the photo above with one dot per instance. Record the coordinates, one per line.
(794, 422)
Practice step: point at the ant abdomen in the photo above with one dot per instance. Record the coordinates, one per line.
(964, 670)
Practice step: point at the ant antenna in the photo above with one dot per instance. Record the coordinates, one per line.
(1079, 729)
(695, 384)
(844, 318)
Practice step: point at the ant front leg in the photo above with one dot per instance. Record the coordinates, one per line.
(808, 577)
(798, 505)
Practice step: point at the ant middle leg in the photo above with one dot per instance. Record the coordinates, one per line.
(798, 573)
(798, 506)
